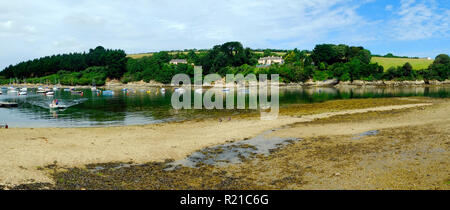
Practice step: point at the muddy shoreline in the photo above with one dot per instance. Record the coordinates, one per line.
(335, 134)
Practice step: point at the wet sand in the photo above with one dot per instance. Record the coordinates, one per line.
(25, 152)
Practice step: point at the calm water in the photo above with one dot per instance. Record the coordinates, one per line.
(142, 107)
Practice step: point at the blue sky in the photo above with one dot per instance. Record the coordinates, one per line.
(32, 29)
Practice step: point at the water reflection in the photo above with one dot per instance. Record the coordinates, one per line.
(142, 106)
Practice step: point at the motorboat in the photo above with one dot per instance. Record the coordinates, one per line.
(50, 93)
(163, 90)
(40, 90)
(22, 93)
(24, 89)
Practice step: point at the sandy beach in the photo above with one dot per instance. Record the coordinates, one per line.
(26, 151)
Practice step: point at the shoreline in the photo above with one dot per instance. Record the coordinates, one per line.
(34, 148)
(310, 83)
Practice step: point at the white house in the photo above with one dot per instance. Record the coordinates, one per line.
(270, 60)
(177, 61)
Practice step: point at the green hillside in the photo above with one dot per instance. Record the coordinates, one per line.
(417, 64)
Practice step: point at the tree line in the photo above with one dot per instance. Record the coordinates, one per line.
(325, 61)
(114, 62)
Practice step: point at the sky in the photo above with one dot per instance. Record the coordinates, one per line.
(31, 29)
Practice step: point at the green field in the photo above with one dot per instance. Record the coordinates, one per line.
(417, 64)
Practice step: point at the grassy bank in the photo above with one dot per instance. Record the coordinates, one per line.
(417, 64)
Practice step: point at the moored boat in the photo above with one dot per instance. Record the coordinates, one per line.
(108, 93)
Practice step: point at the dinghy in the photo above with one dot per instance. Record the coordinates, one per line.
(56, 106)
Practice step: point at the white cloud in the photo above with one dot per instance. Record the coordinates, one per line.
(30, 29)
(420, 20)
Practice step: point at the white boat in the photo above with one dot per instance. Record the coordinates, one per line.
(55, 88)
(24, 89)
(50, 93)
(22, 93)
(163, 90)
(199, 90)
(93, 88)
(108, 93)
(57, 106)
(12, 91)
(1, 92)
(180, 90)
(226, 90)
